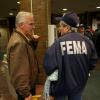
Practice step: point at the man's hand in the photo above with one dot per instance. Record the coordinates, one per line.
(36, 37)
(29, 97)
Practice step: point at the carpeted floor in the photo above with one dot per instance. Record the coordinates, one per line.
(92, 90)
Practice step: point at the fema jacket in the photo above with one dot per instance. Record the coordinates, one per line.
(73, 55)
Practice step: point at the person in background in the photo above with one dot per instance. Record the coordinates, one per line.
(97, 40)
(73, 55)
(81, 30)
(89, 33)
(22, 62)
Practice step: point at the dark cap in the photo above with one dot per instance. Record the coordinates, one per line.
(71, 19)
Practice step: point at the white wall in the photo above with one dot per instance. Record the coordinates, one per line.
(95, 24)
(52, 32)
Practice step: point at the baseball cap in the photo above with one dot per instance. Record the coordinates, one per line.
(71, 19)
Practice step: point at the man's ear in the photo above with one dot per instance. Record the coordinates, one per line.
(21, 25)
(66, 28)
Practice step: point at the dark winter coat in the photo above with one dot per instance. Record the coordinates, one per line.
(73, 55)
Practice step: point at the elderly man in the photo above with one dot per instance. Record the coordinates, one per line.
(73, 56)
(22, 61)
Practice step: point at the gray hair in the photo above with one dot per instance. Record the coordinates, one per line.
(63, 23)
(21, 17)
(74, 29)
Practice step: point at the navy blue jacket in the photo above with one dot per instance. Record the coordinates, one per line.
(73, 55)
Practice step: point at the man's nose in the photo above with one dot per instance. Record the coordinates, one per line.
(33, 26)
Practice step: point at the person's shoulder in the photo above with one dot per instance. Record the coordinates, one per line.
(15, 39)
(88, 40)
(86, 37)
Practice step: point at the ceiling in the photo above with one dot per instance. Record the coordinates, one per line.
(7, 6)
(78, 6)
